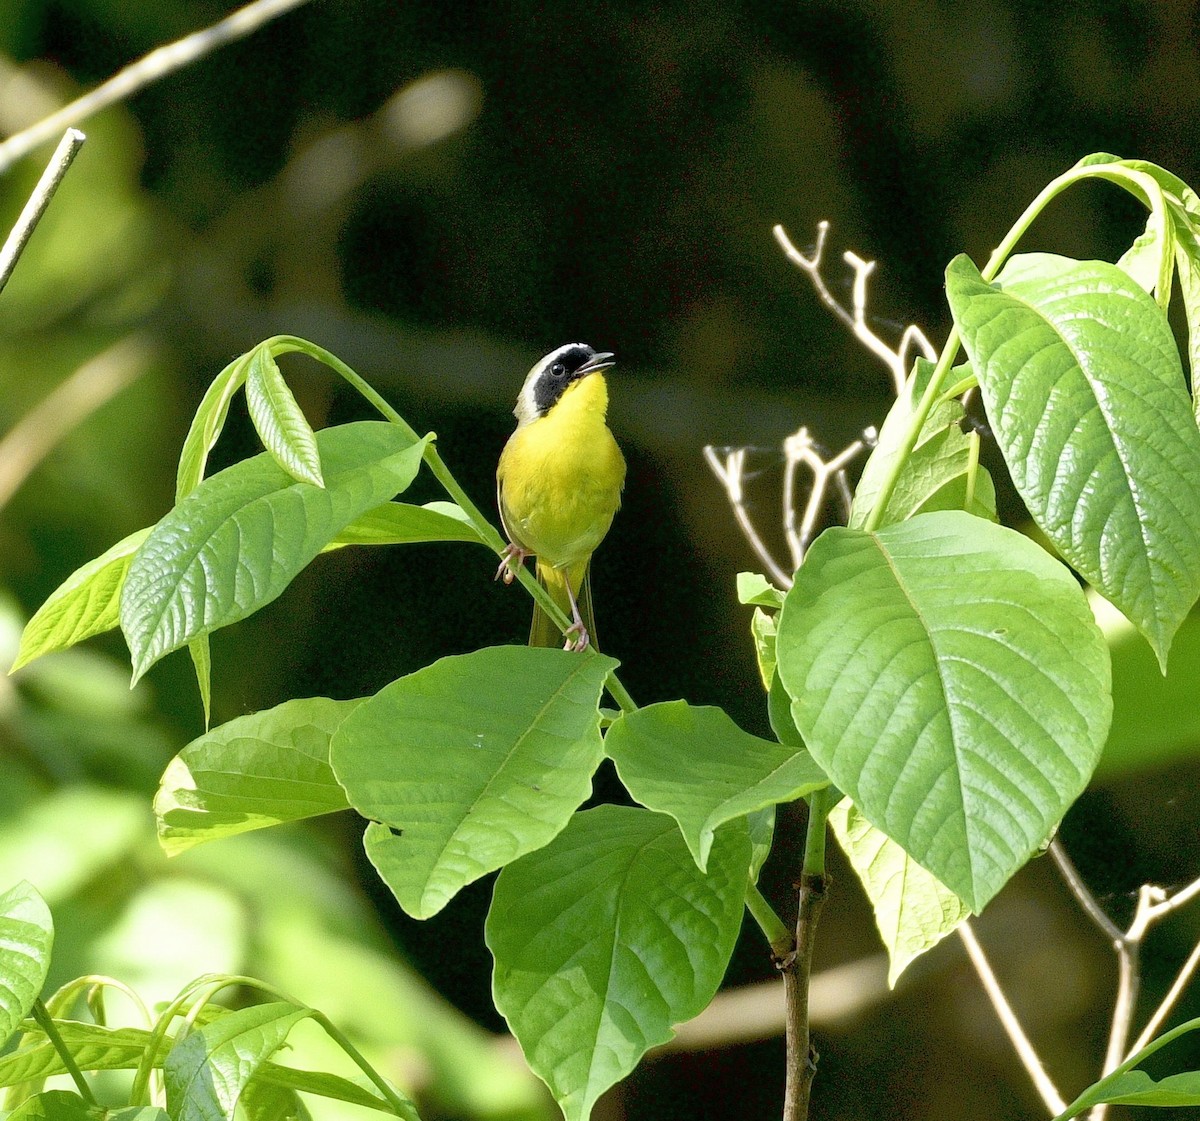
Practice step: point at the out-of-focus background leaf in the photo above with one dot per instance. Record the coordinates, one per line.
(440, 193)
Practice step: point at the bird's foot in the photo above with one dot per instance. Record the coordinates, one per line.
(576, 636)
(510, 561)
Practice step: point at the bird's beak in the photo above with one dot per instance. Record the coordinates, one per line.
(600, 361)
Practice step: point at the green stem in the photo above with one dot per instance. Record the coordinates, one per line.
(774, 929)
(283, 344)
(820, 802)
(46, 1023)
(400, 1106)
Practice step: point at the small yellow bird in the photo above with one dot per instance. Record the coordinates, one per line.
(559, 484)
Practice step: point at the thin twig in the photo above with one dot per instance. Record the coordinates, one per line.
(1008, 1020)
(31, 213)
(1083, 895)
(731, 472)
(1160, 908)
(1168, 1002)
(149, 69)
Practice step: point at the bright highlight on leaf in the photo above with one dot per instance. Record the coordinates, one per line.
(467, 764)
(277, 418)
(1086, 396)
(26, 935)
(607, 938)
(948, 675)
(237, 541)
(697, 765)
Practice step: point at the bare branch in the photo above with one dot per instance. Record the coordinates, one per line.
(1008, 1020)
(149, 69)
(731, 472)
(1083, 895)
(31, 213)
(1168, 1002)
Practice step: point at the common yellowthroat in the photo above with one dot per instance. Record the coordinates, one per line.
(559, 484)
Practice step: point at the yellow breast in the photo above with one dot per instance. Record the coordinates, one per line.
(560, 477)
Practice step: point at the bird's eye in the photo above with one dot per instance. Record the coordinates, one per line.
(558, 370)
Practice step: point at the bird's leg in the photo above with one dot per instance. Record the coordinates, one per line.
(510, 560)
(576, 635)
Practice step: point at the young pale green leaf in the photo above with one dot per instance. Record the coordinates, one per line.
(913, 910)
(757, 591)
(86, 604)
(948, 675)
(763, 625)
(53, 1105)
(1136, 1087)
(937, 472)
(260, 1101)
(327, 1086)
(1086, 396)
(93, 1048)
(26, 936)
(607, 938)
(207, 424)
(761, 827)
(142, 1113)
(256, 771)
(398, 523)
(205, 1071)
(201, 654)
(237, 541)
(697, 765)
(470, 762)
(279, 421)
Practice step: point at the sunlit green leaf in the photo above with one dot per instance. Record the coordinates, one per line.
(207, 424)
(913, 910)
(255, 771)
(697, 765)
(1086, 396)
(763, 627)
(606, 938)
(237, 541)
(468, 763)
(26, 936)
(53, 1105)
(948, 675)
(1136, 1087)
(279, 421)
(86, 603)
(398, 523)
(756, 590)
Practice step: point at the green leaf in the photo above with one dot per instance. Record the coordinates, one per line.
(206, 1070)
(87, 603)
(397, 523)
(761, 827)
(256, 771)
(1085, 394)
(697, 765)
(93, 1048)
(237, 541)
(763, 626)
(948, 675)
(935, 474)
(605, 939)
(279, 421)
(207, 424)
(758, 591)
(1136, 1087)
(26, 936)
(201, 655)
(53, 1105)
(138, 1113)
(468, 763)
(913, 910)
(261, 1101)
(324, 1085)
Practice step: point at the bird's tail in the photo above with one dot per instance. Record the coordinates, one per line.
(544, 631)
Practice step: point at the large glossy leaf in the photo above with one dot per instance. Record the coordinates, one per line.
(948, 675)
(26, 936)
(1085, 394)
(696, 764)
(85, 604)
(913, 910)
(605, 939)
(234, 543)
(468, 763)
(258, 770)
(279, 421)
(206, 1070)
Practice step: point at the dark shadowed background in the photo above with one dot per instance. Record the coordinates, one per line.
(439, 193)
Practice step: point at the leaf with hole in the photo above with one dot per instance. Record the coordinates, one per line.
(948, 675)
(1085, 394)
(237, 541)
(608, 937)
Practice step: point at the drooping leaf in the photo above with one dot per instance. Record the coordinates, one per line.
(948, 675)
(92, 1047)
(694, 763)
(1085, 394)
(279, 421)
(468, 763)
(256, 771)
(85, 604)
(398, 523)
(763, 627)
(757, 591)
(913, 910)
(261, 1101)
(26, 936)
(605, 939)
(206, 1070)
(207, 424)
(237, 541)
(326, 1085)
